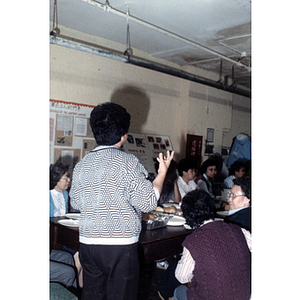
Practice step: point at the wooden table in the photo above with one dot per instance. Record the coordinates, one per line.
(153, 244)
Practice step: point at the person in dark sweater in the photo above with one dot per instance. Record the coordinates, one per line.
(215, 263)
(239, 202)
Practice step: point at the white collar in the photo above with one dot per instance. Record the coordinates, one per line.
(55, 192)
(104, 147)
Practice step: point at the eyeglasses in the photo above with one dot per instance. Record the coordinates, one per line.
(233, 196)
(65, 178)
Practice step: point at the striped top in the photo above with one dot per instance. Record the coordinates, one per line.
(110, 189)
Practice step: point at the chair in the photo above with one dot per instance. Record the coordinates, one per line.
(58, 292)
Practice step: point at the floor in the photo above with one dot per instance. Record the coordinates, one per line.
(149, 279)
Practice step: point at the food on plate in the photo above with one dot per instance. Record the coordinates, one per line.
(167, 210)
(159, 209)
(170, 210)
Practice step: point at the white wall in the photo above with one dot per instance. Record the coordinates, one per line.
(158, 103)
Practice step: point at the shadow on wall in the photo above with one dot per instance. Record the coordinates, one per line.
(136, 102)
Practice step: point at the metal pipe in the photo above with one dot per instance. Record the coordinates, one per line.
(108, 8)
(108, 54)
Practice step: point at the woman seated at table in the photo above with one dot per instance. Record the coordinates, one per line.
(170, 192)
(239, 203)
(216, 259)
(205, 180)
(186, 170)
(59, 182)
(236, 170)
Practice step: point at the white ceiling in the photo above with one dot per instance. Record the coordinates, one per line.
(189, 32)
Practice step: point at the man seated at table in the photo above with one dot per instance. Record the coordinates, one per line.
(216, 259)
(186, 170)
(239, 203)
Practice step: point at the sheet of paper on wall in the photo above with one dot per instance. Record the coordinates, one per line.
(64, 130)
(64, 123)
(80, 126)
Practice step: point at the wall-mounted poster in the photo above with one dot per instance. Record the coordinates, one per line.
(71, 137)
(69, 126)
(147, 149)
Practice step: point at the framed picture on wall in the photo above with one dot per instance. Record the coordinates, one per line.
(210, 135)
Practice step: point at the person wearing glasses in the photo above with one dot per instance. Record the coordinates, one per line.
(239, 202)
(59, 182)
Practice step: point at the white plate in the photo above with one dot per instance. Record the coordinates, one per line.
(223, 213)
(176, 221)
(74, 216)
(176, 205)
(68, 222)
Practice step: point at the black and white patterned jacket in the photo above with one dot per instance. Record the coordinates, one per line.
(110, 189)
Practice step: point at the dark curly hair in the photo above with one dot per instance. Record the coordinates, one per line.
(197, 206)
(245, 184)
(109, 122)
(57, 171)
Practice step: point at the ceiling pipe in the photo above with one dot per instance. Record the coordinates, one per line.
(108, 8)
(108, 54)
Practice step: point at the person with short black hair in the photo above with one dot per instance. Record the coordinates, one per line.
(59, 182)
(111, 190)
(236, 170)
(186, 171)
(215, 263)
(205, 180)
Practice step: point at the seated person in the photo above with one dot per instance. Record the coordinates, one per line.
(236, 170)
(62, 268)
(59, 182)
(205, 180)
(215, 255)
(186, 170)
(170, 192)
(239, 202)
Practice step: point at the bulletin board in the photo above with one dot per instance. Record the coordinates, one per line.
(71, 137)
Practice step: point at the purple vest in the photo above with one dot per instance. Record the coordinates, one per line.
(222, 263)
